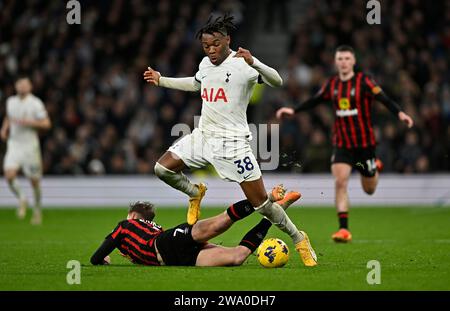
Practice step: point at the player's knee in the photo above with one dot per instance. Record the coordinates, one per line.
(239, 257)
(238, 260)
(369, 185)
(10, 175)
(341, 183)
(369, 189)
(35, 182)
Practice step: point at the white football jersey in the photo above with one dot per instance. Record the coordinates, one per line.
(29, 107)
(226, 90)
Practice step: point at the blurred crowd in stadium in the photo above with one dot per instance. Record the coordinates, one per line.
(107, 120)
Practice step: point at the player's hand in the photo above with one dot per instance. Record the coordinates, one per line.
(406, 118)
(152, 76)
(284, 111)
(245, 54)
(4, 134)
(107, 260)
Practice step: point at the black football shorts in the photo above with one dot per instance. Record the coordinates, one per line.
(177, 247)
(362, 159)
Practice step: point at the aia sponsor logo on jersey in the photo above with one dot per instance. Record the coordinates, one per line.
(212, 95)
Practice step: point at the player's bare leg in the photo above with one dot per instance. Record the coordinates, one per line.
(172, 162)
(168, 169)
(218, 256)
(209, 228)
(369, 184)
(11, 178)
(36, 219)
(256, 195)
(215, 255)
(341, 173)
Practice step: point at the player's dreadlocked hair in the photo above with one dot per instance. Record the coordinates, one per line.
(222, 24)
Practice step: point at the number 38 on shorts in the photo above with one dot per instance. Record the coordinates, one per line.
(244, 165)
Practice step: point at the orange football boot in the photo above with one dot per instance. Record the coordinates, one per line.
(342, 236)
(289, 198)
(277, 193)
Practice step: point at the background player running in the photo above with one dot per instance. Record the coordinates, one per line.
(225, 79)
(351, 95)
(25, 115)
(144, 242)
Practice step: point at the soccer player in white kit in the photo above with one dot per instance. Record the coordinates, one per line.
(25, 115)
(225, 80)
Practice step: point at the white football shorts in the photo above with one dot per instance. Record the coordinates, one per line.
(232, 159)
(27, 159)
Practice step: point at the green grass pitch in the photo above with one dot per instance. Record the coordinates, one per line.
(411, 244)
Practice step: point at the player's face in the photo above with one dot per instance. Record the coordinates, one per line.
(216, 46)
(345, 61)
(23, 86)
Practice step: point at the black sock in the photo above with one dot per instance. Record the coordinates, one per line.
(255, 236)
(343, 220)
(240, 210)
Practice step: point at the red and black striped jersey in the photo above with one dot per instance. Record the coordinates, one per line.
(135, 238)
(352, 102)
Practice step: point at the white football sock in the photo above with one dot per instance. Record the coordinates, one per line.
(276, 214)
(178, 181)
(37, 197)
(15, 188)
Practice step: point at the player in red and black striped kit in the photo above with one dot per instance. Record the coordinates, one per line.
(351, 96)
(144, 242)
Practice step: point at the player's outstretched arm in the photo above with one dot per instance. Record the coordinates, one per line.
(406, 119)
(285, 111)
(308, 104)
(183, 84)
(100, 257)
(393, 107)
(321, 96)
(4, 130)
(269, 75)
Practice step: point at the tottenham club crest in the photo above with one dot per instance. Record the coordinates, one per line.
(228, 77)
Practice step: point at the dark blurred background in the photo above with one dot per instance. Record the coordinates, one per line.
(108, 121)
